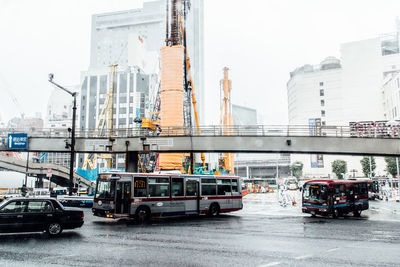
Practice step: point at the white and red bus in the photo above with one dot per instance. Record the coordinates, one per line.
(145, 195)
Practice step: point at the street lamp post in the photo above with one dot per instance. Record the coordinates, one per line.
(72, 145)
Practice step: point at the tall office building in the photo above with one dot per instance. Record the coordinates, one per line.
(131, 97)
(337, 92)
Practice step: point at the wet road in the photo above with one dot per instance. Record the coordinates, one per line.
(262, 234)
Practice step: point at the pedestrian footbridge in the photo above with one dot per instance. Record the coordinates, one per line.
(60, 174)
(244, 139)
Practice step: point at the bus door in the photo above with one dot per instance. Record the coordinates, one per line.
(123, 197)
(192, 201)
(340, 200)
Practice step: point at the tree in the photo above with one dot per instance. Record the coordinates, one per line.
(339, 167)
(391, 166)
(297, 169)
(365, 166)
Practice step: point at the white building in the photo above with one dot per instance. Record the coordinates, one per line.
(337, 92)
(391, 97)
(316, 92)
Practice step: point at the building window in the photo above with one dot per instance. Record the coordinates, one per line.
(322, 102)
(321, 83)
(323, 123)
(322, 113)
(321, 92)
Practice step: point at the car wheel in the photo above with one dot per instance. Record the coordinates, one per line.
(335, 213)
(54, 229)
(213, 211)
(142, 214)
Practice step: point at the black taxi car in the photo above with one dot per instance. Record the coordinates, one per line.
(38, 214)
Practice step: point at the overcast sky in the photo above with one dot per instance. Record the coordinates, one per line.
(261, 41)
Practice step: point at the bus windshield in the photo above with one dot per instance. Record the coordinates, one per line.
(373, 187)
(105, 189)
(315, 192)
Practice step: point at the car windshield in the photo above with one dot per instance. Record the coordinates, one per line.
(4, 203)
(315, 192)
(105, 189)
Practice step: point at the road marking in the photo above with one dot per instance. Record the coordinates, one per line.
(303, 257)
(271, 264)
(332, 249)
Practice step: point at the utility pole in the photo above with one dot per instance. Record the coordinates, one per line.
(398, 178)
(370, 167)
(26, 170)
(72, 145)
(277, 167)
(111, 163)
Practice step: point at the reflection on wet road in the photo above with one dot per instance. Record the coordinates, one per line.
(262, 234)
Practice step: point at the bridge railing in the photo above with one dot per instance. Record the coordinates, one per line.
(250, 130)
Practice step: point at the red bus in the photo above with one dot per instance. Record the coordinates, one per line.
(335, 197)
(145, 195)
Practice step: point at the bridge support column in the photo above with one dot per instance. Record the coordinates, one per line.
(131, 161)
(39, 182)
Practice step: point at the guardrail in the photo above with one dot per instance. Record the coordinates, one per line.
(255, 130)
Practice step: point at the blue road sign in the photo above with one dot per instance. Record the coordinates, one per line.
(17, 141)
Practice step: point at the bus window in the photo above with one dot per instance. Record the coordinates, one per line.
(363, 188)
(356, 189)
(224, 186)
(177, 187)
(340, 190)
(158, 187)
(208, 187)
(234, 185)
(105, 189)
(140, 187)
(315, 192)
(191, 188)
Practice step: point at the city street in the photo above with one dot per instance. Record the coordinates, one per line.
(262, 234)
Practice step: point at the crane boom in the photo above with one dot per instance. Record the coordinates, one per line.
(191, 86)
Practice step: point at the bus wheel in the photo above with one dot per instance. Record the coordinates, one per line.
(213, 211)
(335, 213)
(142, 214)
(357, 213)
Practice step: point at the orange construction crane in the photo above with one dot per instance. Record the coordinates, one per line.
(226, 121)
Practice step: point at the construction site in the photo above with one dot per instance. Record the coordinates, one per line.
(170, 102)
